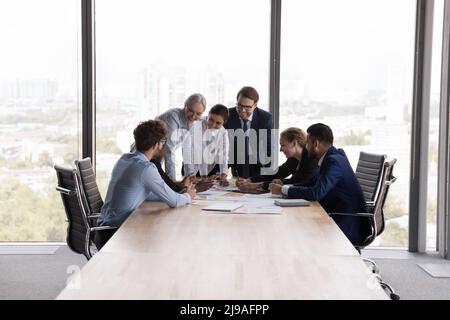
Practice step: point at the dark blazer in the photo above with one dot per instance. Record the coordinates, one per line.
(166, 178)
(261, 120)
(304, 172)
(337, 190)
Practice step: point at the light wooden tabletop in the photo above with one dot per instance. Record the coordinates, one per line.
(187, 253)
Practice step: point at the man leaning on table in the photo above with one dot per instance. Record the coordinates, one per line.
(250, 118)
(135, 179)
(337, 188)
(179, 122)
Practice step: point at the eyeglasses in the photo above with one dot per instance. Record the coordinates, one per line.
(162, 141)
(241, 107)
(198, 114)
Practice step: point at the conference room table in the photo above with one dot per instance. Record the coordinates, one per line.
(187, 253)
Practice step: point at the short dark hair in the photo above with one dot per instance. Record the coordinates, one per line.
(321, 132)
(249, 92)
(149, 133)
(220, 110)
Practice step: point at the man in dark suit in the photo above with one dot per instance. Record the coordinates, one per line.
(337, 188)
(246, 157)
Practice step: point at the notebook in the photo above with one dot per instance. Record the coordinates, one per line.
(291, 202)
(223, 206)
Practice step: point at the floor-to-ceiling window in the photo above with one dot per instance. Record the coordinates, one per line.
(349, 64)
(433, 143)
(39, 113)
(346, 63)
(151, 55)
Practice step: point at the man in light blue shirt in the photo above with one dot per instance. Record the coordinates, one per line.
(135, 179)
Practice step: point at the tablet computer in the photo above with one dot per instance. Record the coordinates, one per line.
(291, 202)
(227, 206)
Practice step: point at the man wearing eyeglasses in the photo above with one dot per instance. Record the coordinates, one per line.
(179, 121)
(135, 179)
(256, 124)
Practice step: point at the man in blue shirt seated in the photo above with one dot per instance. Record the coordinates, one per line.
(135, 179)
(336, 189)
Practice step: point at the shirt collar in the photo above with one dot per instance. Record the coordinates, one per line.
(140, 155)
(321, 159)
(249, 118)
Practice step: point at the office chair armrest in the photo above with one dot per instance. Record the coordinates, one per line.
(102, 228)
(358, 214)
(388, 183)
(65, 191)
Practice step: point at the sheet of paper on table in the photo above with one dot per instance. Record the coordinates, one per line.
(262, 209)
(251, 203)
(226, 188)
(210, 194)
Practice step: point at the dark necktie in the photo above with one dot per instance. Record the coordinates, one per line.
(245, 127)
(246, 166)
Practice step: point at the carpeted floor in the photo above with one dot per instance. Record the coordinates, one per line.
(37, 276)
(401, 270)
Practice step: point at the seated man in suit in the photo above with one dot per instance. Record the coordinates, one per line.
(248, 117)
(135, 179)
(336, 189)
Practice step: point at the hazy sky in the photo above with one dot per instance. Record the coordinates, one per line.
(325, 42)
(38, 38)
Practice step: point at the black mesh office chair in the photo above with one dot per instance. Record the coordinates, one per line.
(377, 219)
(80, 229)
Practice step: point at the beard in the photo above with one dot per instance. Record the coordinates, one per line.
(311, 153)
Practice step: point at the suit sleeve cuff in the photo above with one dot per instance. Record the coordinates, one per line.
(285, 190)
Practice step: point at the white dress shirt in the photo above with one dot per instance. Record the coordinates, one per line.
(206, 148)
